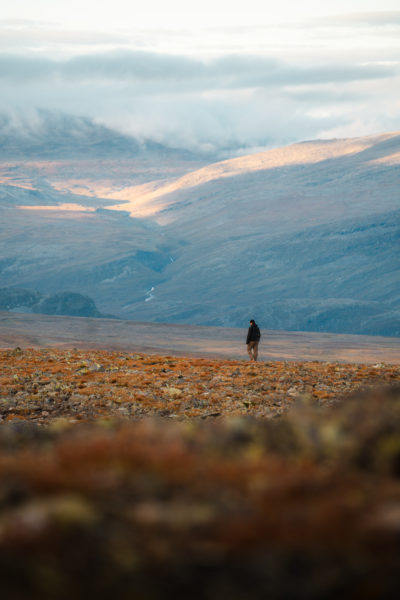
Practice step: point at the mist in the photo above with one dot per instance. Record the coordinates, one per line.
(225, 105)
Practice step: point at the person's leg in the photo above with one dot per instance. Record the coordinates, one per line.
(255, 350)
(252, 349)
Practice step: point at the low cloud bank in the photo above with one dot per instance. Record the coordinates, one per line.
(163, 71)
(226, 105)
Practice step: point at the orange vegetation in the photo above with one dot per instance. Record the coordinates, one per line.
(301, 502)
(43, 385)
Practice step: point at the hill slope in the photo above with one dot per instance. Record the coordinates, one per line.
(302, 238)
(305, 237)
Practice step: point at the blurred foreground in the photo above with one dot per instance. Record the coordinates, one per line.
(303, 505)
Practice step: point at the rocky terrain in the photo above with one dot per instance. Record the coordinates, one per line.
(47, 385)
(151, 234)
(149, 476)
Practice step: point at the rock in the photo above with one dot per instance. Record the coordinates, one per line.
(174, 392)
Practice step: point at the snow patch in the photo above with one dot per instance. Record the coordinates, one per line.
(149, 294)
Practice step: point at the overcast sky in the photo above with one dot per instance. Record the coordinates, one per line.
(226, 75)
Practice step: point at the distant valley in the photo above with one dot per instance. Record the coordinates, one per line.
(301, 238)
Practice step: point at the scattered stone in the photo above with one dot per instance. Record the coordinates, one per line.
(95, 384)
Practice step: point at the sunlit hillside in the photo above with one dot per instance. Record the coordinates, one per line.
(151, 198)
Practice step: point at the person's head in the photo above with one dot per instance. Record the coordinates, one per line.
(252, 322)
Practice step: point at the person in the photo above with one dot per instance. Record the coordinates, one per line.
(253, 339)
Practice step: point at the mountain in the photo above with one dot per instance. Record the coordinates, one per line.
(304, 237)
(50, 135)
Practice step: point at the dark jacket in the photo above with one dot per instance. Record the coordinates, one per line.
(253, 334)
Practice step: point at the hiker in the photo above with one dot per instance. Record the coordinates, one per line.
(253, 338)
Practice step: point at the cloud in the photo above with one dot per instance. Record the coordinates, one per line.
(164, 72)
(374, 19)
(26, 36)
(23, 69)
(225, 104)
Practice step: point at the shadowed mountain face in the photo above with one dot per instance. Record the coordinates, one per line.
(300, 238)
(63, 303)
(62, 136)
